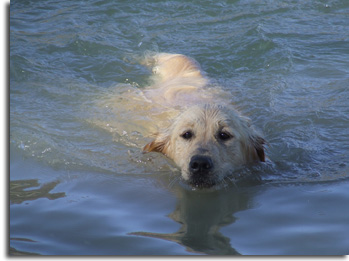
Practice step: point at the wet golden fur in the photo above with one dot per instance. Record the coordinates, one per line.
(207, 142)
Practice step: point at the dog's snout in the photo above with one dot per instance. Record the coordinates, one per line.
(200, 164)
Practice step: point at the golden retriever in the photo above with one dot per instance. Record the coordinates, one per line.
(207, 141)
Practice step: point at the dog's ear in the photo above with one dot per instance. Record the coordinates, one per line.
(258, 145)
(256, 142)
(159, 144)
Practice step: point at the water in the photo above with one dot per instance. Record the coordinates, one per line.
(79, 184)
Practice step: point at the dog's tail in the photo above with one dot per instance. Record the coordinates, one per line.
(170, 66)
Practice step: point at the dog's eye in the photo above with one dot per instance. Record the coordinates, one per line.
(187, 135)
(222, 135)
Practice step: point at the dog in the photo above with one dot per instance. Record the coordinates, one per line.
(206, 141)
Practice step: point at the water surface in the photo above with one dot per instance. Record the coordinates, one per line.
(79, 184)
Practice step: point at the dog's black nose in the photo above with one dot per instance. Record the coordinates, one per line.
(200, 164)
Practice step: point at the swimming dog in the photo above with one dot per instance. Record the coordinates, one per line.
(207, 141)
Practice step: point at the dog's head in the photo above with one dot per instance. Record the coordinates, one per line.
(208, 143)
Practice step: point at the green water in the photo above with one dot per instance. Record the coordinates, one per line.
(77, 188)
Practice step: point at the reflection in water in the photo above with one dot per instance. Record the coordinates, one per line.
(201, 215)
(20, 190)
(15, 252)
